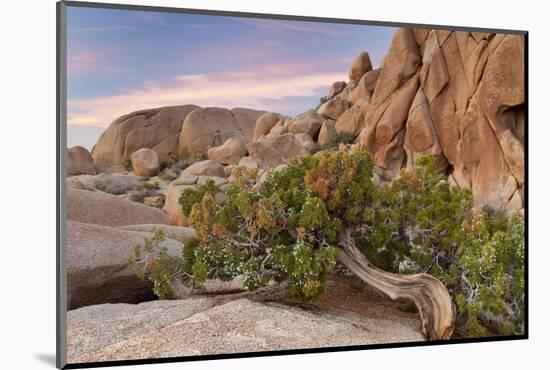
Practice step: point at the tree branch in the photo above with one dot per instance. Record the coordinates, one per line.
(432, 299)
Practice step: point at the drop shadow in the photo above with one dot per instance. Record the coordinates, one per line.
(47, 358)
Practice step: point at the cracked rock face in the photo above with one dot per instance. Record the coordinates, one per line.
(458, 96)
(200, 326)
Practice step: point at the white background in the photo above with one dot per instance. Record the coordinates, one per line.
(27, 186)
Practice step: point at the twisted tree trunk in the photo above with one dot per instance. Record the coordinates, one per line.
(432, 299)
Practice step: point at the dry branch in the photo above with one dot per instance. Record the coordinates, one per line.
(432, 299)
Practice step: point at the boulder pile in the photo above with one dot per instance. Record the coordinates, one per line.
(457, 96)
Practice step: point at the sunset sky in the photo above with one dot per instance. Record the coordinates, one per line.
(125, 60)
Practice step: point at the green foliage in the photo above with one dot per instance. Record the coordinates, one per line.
(148, 186)
(490, 266)
(288, 229)
(307, 269)
(152, 261)
(191, 196)
(477, 254)
(322, 100)
(127, 164)
(200, 155)
(335, 138)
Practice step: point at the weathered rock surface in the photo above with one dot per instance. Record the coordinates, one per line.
(97, 265)
(246, 119)
(264, 124)
(333, 108)
(458, 96)
(80, 161)
(351, 122)
(156, 201)
(145, 162)
(115, 183)
(206, 128)
(248, 162)
(276, 151)
(194, 327)
(204, 168)
(364, 88)
(420, 135)
(308, 122)
(171, 232)
(360, 66)
(277, 131)
(336, 88)
(171, 206)
(96, 207)
(229, 152)
(328, 130)
(306, 141)
(150, 128)
(92, 328)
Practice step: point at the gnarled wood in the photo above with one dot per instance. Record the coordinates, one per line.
(432, 299)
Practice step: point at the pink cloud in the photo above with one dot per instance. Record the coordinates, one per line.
(261, 88)
(85, 62)
(295, 26)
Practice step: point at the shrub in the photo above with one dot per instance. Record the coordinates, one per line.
(289, 227)
(335, 138)
(148, 186)
(151, 259)
(191, 196)
(127, 164)
(245, 176)
(322, 100)
(477, 254)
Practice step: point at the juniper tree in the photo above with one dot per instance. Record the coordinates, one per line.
(417, 239)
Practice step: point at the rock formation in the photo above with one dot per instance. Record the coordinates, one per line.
(145, 162)
(458, 96)
(113, 183)
(229, 152)
(204, 168)
(276, 151)
(156, 129)
(206, 128)
(308, 122)
(80, 161)
(210, 325)
(246, 119)
(97, 207)
(264, 124)
(97, 265)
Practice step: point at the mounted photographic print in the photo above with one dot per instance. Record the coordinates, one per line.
(235, 184)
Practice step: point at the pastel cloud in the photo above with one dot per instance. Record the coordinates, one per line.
(267, 87)
(105, 29)
(86, 61)
(294, 26)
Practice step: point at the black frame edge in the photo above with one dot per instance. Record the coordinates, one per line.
(61, 104)
(228, 356)
(290, 17)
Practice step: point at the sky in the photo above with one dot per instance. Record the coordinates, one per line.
(119, 61)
